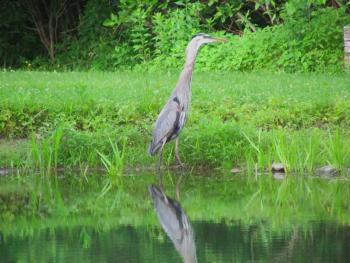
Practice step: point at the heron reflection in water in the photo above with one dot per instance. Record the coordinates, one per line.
(175, 223)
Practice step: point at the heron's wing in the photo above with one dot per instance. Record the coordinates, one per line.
(167, 124)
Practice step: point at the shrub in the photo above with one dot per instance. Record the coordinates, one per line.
(290, 36)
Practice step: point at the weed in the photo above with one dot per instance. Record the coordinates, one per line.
(45, 152)
(114, 165)
(337, 148)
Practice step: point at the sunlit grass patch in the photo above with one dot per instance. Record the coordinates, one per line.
(236, 119)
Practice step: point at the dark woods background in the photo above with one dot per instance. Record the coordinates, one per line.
(291, 36)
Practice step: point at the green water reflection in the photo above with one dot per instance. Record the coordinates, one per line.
(216, 242)
(235, 219)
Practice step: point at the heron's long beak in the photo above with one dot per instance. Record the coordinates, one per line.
(220, 39)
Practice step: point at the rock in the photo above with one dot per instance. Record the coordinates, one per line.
(4, 171)
(279, 175)
(277, 167)
(327, 170)
(235, 170)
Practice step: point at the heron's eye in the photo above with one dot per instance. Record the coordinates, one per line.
(198, 34)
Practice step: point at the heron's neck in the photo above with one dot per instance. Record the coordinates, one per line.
(185, 79)
(191, 58)
(186, 74)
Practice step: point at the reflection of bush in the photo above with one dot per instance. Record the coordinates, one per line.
(232, 218)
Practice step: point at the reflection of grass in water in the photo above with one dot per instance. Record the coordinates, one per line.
(216, 242)
(221, 198)
(46, 197)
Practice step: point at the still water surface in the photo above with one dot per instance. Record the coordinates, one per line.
(215, 242)
(71, 232)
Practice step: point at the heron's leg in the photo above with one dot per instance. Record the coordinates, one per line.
(160, 176)
(159, 163)
(178, 183)
(177, 156)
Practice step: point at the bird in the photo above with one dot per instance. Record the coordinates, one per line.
(173, 116)
(175, 223)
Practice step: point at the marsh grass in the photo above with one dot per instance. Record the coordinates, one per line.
(300, 152)
(337, 149)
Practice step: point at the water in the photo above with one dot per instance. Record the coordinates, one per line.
(215, 242)
(232, 219)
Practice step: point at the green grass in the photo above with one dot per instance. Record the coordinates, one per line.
(236, 119)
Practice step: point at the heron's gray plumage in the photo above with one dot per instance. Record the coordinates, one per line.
(173, 116)
(175, 223)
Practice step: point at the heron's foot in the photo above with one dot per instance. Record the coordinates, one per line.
(178, 194)
(177, 154)
(179, 163)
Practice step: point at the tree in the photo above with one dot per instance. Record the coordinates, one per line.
(52, 18)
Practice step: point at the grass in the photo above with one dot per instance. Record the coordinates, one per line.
(114, 166)
(54, 120)
(44, 152)
(236, 119)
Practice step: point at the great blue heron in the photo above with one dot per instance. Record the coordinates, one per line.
(174, 114)
(175, 223)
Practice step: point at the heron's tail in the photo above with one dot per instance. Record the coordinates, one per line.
(153, 148)
(156, 192)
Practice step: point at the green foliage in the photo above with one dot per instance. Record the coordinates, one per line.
(290, 36)
(310, 39)
(297, 46)
(91, 46)
(18, 44)
(25, 201)
(172, 32)
(236, 119)
(45, 153)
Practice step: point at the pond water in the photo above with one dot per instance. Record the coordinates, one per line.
(218, 219)
(215, 242)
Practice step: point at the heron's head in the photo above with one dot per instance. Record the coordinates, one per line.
(201, 39)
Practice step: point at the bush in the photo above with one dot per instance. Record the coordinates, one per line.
(290, 36)
(309, 40)
(297, 46)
